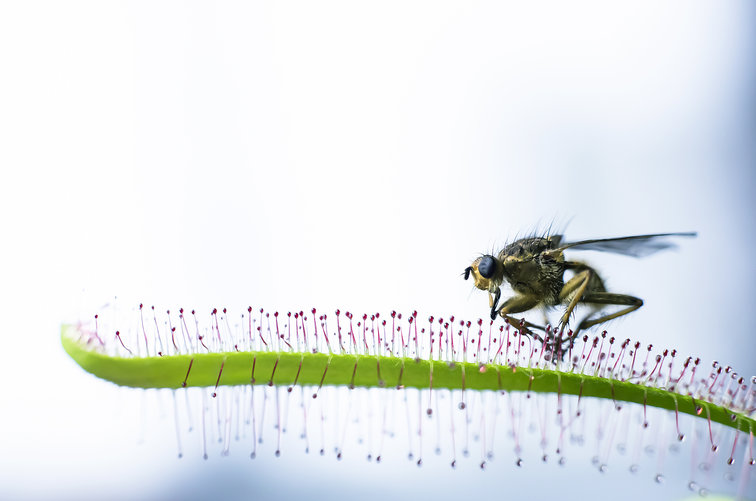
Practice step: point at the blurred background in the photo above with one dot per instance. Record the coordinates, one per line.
(359, 155)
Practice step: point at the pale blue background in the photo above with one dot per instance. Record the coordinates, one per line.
(355, 155)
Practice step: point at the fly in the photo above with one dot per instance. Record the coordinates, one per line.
(534, 267)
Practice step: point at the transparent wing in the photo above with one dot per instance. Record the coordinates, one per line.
(635, 246)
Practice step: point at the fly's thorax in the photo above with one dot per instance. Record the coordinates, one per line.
(529, 247)
(540, 275)
(520, 269)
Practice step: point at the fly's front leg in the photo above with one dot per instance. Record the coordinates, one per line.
(493, 302)
(525, 326)
(518, 304)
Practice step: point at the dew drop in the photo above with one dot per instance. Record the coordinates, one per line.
(562, 461)
(545, 458)
(461, 405)
(278, 453)
(603, 468)
(518, 462)
(693, 486)
(699, 409)
(252, 455)
(659, 478)
(681, 437)
(322, 452)
(730, 460)
(454, 464)
(703, 492)
(419, 462)
(633, 468)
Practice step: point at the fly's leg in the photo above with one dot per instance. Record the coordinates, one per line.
(602, 298)
(524, 326)
(575, 290)
(493, 302)
(632, 303)
(575, 287)
(518, 304)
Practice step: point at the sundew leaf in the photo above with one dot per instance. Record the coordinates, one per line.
(475, 373)
(288, 368)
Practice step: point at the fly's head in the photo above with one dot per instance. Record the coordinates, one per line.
(486, 272)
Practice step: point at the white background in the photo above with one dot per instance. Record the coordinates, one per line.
(355, 155)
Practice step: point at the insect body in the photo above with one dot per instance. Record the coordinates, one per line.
(534, 267)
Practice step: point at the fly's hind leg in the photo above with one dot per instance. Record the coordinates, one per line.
(609, 298)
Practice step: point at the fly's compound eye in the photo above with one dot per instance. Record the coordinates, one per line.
(487, 267)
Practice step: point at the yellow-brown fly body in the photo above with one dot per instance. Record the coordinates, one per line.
(534, 268)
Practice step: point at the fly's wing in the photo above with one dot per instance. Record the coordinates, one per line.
(635, 246)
